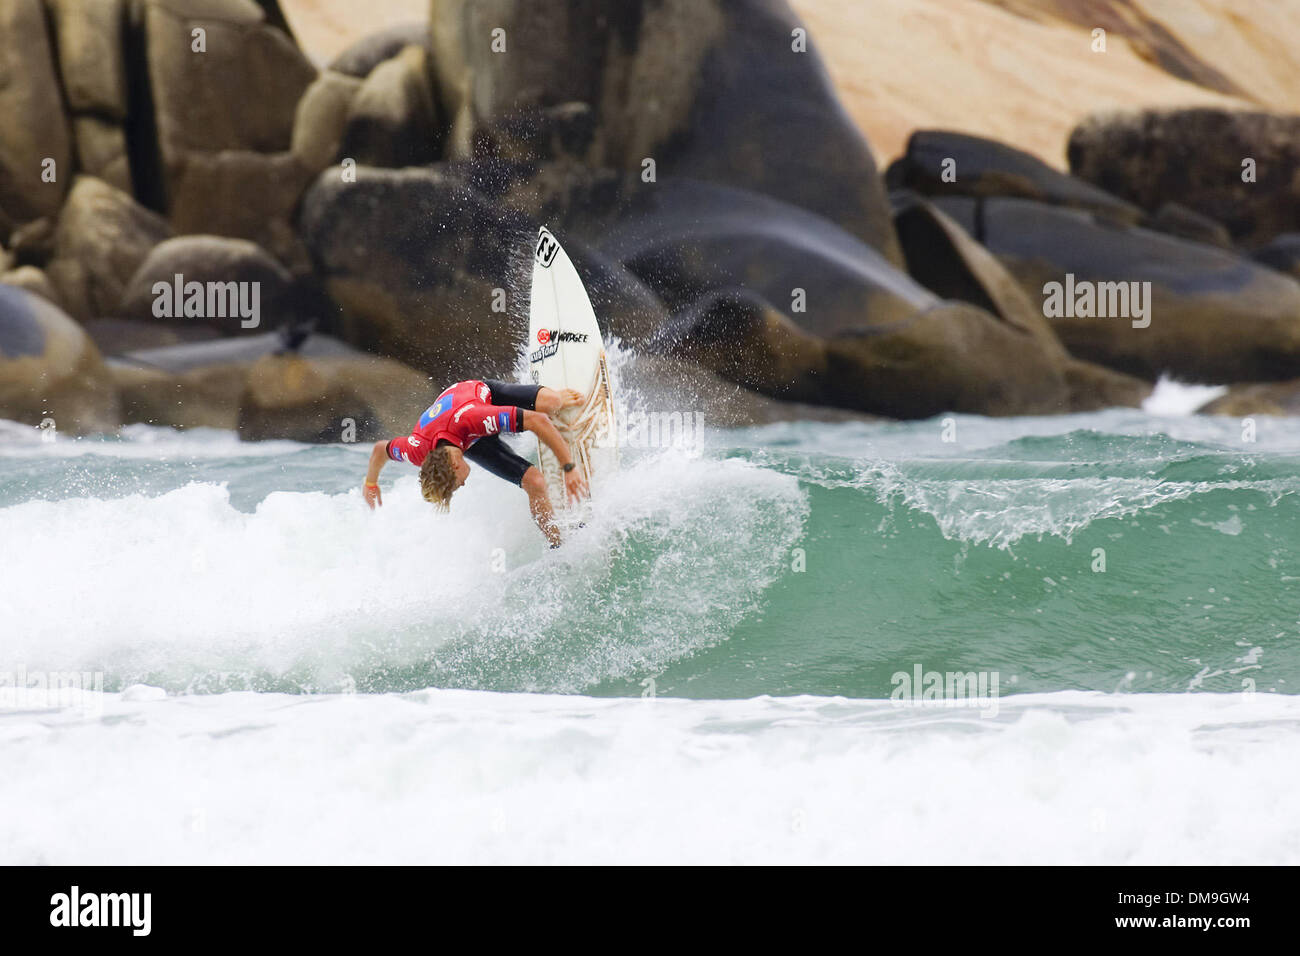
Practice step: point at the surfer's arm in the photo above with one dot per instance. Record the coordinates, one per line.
(378, 458)
(541, 425)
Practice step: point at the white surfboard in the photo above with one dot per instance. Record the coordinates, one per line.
(565, 350)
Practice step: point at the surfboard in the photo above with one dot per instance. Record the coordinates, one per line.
(565, 350)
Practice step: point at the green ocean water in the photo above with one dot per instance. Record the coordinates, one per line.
(1116, 551)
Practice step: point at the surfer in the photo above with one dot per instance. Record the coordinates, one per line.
(465, 422)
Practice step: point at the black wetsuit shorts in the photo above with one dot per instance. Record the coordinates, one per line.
(491, 452)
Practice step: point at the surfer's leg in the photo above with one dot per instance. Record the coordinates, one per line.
(513, 393)
(492, 454)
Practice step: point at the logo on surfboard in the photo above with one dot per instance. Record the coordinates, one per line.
(546, 249)
(550, 340)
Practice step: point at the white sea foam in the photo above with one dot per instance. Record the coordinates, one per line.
(474, 777)
(314, 587)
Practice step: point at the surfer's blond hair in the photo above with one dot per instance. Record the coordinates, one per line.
(438, 477)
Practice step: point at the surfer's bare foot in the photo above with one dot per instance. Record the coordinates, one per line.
(570, 397)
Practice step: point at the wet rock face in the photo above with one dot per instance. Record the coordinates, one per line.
(101, 238)
(205, 260)
(49, 368)
(706, 90)
(944, 163)
(1214, 316)
(34, 130)
(1246, 180)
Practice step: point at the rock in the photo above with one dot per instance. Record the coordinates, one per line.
(243, 195)
(208, 259)
(49, 368)
(706, 89)
(1094, 387)
(1177, 220)
(983, 167)
(951, 357)
(739, 336)
(33, 126)
(206, 397)
(33, 280)
(33, 243)
(1214, 317)
(114, 337)
(358, 399)
(364, 55)
(392, 121)
(1264, 398)
(1195, 157)
(247, 62)
(685, 237)
(102, 151)
(944, 258)
(413, 258)
(90, 46)
(1281, 254)
(321, 118)
(101, 238)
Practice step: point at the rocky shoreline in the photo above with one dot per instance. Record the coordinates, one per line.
(731, 221)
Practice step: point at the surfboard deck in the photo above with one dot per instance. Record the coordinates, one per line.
(566, 350)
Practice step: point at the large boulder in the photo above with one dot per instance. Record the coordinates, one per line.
(49, 368)
(248, 61)
(101, 238)
(102, 151)
(243, 195)
(33, 125)
(92, 64)
(682, 237)
(1213, 316)
(322, 118)
(361, 398)
(205, 260)
(706, 89)
(1262, 398)
(947, 357)
(393, 120)
(945, 163)
(426, 269)
(359, 59)
(1195, 157)
(205, 397)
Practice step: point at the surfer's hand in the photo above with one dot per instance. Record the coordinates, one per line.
(574, 485)
(372, 495)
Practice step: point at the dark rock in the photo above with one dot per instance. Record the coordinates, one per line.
(1194, 157)
(49, 368)
(1214, 317)
(707, 89)
(986, 168)
(1281, 254)
(33, 280)
(1177, 220)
